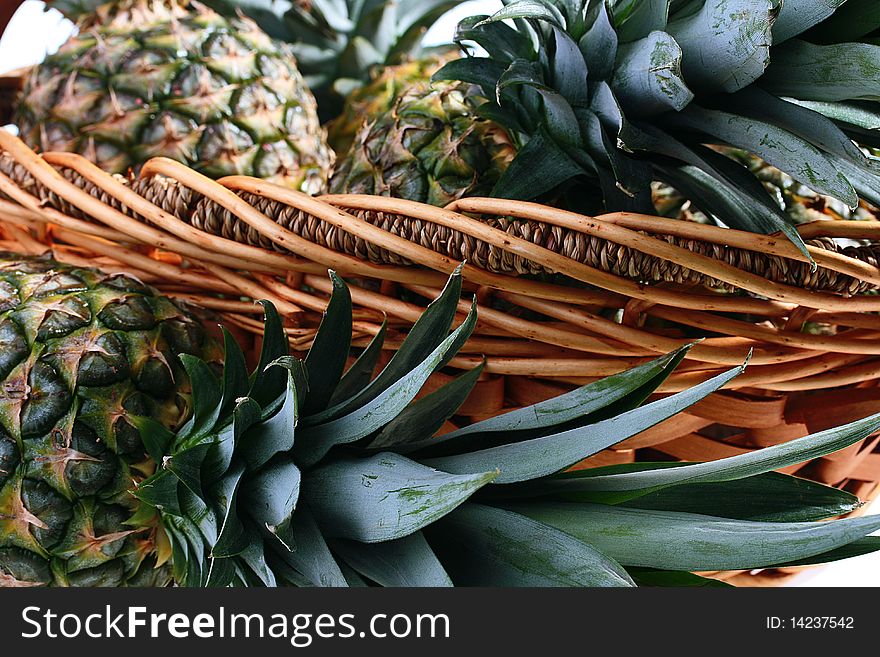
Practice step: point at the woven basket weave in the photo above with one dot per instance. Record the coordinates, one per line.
(564, 299)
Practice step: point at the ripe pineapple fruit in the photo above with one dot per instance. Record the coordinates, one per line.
(379, 96)
(341, 44)
(146, 78)
(393, 132)
(303, 473)
(428, 146)
(81, 355)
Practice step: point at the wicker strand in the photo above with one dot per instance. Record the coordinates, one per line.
(204, 214)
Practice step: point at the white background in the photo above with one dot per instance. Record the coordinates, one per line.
(33, 33)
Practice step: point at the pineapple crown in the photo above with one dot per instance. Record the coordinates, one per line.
(340, 44)
(618, 93)
(304, 473)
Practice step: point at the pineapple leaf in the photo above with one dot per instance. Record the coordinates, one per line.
(798, 16)
(235, 375)
(190, 537)
(608, 396)
(480, 71)
(310, 557)
(184, 571)
(629, 485)
(186, 464)
(486, 546)
(820, 131)
(685, 541)
(599, 45)
(532, 9)
(839, 72)
(384, 497)
(802, 160)
(423, 418)
(771, 497)
(221, 573)
(866, 183)
(267, 383)
(316, 440)
(407, 561)
(500, 41)
(194, 508)
(539, 167)
(325, 361)
(635, 19)
(271, 494)
(233, 536)
(854, 20)
(245, 414)
(156, 438)
(160, 491)
(254, 557)
(647, 76)
(560, 119)
(359, 374)
(857, 548)
(726, 45)
(569, 69)
(854, 114)
(206, 398)
(676, 578)
(539, 457)
(424, 337)
(275, 434)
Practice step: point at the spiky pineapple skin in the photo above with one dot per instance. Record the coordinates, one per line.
(146, 78)
(81, 354)
(429, 147)
(379, 97)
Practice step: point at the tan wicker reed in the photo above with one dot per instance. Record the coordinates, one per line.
(564, 299)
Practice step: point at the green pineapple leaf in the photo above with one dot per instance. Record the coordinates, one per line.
(684, 541)
(235, 376)
(358, 376)
(582, 406)
(424, 337)
(315, 440)
(424, 417)
(407, 561)
(539, 457)
(487, 546)
(838, 72)
(636, 19)
(628, 485)
(326, 359)
(309, 554)
(853, 21)
(275, 434)
(267, 382)
(384, 497)
(676, 578)
(857, 548)
(797, 16)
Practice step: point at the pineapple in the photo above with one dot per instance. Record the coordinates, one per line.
(81, 355)
(429, 146)
(303, 473)
(146, 78)
(341, 45)
(613, 96)
(378, 97)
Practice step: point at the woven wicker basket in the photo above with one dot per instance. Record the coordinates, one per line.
(564, 299)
